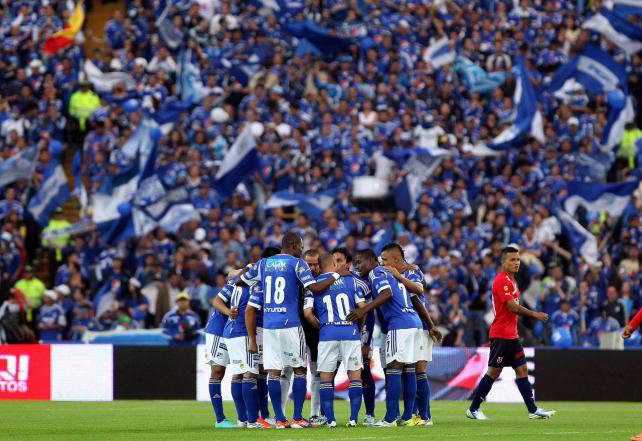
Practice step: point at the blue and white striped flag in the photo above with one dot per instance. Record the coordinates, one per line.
(311, 204)
(190, 84)
(615, 26)
(52, 193)
(418, 168)
(104, 82)
(610, 197)
(240, 162)
(19, 166)
(439, 53)
(172, 36)
(528, 121)
(625, 7)
(583, 242)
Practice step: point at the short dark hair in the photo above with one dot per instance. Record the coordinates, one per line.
(506, 251)
(344, 251)
(394, 246)
(270, 251)
(325, 259)
(367, 254)
(290, 238)
(310, 253)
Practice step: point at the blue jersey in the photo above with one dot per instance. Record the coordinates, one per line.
(174, 323)
(216, 324)
(52, 315)
(370, 317)
(235, 297)
(281, 277)
(333, 306)
(415, 275)
(398, 312)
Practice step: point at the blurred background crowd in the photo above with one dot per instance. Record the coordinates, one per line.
(347, 102)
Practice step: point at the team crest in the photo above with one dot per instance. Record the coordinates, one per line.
(505, 287)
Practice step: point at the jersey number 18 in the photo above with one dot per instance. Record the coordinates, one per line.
(279, 290)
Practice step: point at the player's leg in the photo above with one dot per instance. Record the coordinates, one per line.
(261, 380)
(409, 391)
(393, 380)
(423, 391)
(496, 363)
(352, 357)
(327, 364)
(237, 397)
(369, 390)
(286, 380)
(248, 365)
(296, 342)
(312, 343)
(274, 365)
(524, 386)
(216, 356)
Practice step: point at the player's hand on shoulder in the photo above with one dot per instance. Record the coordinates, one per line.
(344, 272)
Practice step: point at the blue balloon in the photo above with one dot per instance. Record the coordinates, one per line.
(616, 99)
(55, 147)
(124, 208)
(562, 338)
(155, 134)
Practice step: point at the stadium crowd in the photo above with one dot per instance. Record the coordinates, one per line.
(319, 122)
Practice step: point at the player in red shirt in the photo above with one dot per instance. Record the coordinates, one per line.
(505, 348)
(628, 331)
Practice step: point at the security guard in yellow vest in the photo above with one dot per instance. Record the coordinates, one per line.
(82, 103)
(59, 242)
(628, 149)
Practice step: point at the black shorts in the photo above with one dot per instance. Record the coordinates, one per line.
(506, 352)
(311, 339)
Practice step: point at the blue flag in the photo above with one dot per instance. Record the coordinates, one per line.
(595, 196)
(617, 28)
(318, 36)
(190, 84)
(628, 7)
(382, 238)
(52, 193)
(418, 167)
(311, 204)
(19, 166)
(584, 243)
(240, 162)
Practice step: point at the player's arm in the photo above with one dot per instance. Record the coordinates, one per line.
(362, 320)
(308, 311)
(222, 307)
(423, 314)
(633, 325)
(250, 325)
(514, 307)
(359, 313)
(414, 287)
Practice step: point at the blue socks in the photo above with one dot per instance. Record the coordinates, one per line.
(393, 393)
(274, 389)
(423, 396)
(216, 399)
(369, 389)
(237, 396)
(526, 390)
(409, 392)
(263, 396)
(250, 397)
(482, 390)
(355, 392)
(326, 395)
(299, 388)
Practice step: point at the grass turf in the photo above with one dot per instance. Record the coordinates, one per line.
(178, 420)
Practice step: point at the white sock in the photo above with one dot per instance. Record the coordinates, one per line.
(315, 400)
(286, 379)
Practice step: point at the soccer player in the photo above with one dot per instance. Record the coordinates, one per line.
(628, 331)
(217, 357)
(505, 348)
(343, 260)
(403, 339)
(412, 279)
(311, 257)
(283, 340)
(339, 339)
(232, 301)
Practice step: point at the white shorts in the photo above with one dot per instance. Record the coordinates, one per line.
(332, 352)
(240, 358)
(404, 345)
(216, 350)
(284, 348)
(426, 353)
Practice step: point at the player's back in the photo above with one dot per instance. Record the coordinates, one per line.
(333, 306)
(235, 297)
(216, 323)
(415, 275)
(398, 312)
(281, 277)
(505, 322)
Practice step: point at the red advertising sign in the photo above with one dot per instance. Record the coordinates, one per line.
(25, 372)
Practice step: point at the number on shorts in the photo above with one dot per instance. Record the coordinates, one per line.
(343, 306)
(279, 290)
(402, 288)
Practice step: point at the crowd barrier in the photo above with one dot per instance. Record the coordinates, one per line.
(103, 372)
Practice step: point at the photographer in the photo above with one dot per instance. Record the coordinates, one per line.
(182, 324)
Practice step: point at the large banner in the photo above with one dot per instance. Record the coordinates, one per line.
(25, 372)
(453, 375)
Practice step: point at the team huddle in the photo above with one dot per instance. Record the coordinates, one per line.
(275, 314)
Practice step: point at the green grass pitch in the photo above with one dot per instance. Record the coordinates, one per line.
(188, 420)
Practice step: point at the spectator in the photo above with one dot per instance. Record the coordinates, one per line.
(83, 321)
(33, 290)
(13, 322)
(51, 318)
(83, 103)
(613, 307)
(181, 323)
(136, 303)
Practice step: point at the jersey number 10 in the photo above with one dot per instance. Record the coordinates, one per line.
(343, 306)
(279, 290)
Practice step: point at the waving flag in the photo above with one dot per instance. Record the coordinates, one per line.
(190, 85)
(582, 241)
(626, 7)
(79, 187)
(614, 26)
(105, 82)
(528, 120)
(311, 204)
(52, 193)
(239, 162)
(65, 37)
(476, 79)
(19, 166)
(318, 36)
(172, 36)
(439, 53)
(418, 168)
(612, 197)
